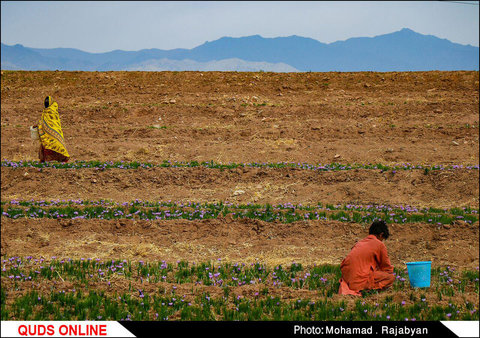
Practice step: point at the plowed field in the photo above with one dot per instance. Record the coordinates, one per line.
(409, 118)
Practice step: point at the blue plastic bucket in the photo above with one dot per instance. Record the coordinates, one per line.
(419, 274)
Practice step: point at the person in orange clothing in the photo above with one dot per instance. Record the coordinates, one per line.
(367, 266)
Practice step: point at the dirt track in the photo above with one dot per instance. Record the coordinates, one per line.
(390, 118)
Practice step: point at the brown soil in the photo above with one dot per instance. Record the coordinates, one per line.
(246, 240)
(442, 189)
(249, 117)
(389, 118)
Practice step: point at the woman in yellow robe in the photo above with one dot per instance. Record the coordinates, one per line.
(52, 143)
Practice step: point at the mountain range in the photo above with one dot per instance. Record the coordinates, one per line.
(404, 50)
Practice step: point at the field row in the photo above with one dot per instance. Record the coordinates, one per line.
(285, 213)
(214, 165)
(91, 289)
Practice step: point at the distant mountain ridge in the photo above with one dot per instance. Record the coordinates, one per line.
(233, 64)
(404, 50)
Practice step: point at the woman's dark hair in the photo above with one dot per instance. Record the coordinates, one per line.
(379, 227)
(47, 102)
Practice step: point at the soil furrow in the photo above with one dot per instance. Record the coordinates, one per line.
(246, 240)
(437, 188)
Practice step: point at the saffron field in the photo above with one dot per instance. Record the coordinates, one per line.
(235, 196)
(92, 289)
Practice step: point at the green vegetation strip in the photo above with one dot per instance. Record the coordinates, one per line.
(285, 213)
(214, 165)
(91, 289)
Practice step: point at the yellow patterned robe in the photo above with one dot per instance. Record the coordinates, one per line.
(50, 129)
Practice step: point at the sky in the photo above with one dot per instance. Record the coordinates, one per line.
(97, 26)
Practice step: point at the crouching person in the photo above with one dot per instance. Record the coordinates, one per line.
(367, 266)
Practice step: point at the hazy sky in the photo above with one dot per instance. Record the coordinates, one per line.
(96, 26)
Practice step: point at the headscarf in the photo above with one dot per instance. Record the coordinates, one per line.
(50, 129)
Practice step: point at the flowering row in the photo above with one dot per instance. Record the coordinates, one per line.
(101, 305)
(207, 273)
(459, 211)
(285, 213)
(214, 165)
(218, 291)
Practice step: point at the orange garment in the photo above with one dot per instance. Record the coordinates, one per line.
(367, 266)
